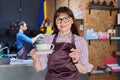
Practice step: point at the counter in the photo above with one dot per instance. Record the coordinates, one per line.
(20, 72)
(23, 70)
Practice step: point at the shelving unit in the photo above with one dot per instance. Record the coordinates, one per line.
(111, 39)
(103, 8)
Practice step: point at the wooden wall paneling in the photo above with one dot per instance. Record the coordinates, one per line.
(78, 8)
(50, 9)
(60, 3)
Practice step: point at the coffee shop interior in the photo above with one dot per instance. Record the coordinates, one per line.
(98, 21)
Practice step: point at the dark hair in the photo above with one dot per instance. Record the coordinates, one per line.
(21, 23)
(69, 12)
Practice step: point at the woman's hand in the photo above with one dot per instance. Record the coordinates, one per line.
(75, 55)
(34, 54)
(36, 61)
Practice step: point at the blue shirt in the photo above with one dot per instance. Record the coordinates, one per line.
(21, 39)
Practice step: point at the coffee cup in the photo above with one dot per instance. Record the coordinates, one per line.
(41, 47)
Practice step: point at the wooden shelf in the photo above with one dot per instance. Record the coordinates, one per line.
(107, 71)
(104, 8)
(114, 38)
(117, 53)
(111, 38)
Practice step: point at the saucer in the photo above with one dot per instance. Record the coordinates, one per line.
(45, 51)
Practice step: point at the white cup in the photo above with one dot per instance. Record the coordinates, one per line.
(40, 47)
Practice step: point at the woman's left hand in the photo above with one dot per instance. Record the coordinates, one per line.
(75, 55)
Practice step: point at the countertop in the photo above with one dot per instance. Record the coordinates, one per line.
(15, 61)
(20, 70)
(23, 70)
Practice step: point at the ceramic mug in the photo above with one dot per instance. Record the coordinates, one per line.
(40, 47)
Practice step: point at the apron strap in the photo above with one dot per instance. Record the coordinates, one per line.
(55, 38)
(73, 41)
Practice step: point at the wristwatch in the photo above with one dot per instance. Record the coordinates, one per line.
(75, 62)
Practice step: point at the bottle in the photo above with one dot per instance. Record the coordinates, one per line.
(1, 54)
(104, 3)
(92, 3)
(98, 3)
(111, 4)
(81, 25)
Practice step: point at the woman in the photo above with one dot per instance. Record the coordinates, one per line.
(22, 39)
(71, 50)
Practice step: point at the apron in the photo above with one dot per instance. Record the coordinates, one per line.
(22, 53)
(60, 65)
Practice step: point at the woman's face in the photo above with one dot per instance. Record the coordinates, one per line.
(64, 22)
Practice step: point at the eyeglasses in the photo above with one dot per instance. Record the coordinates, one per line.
(65, 20)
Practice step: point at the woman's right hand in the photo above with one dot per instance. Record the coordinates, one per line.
(34, 54)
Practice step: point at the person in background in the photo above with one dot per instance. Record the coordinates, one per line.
(70, 54)
(22, 39)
